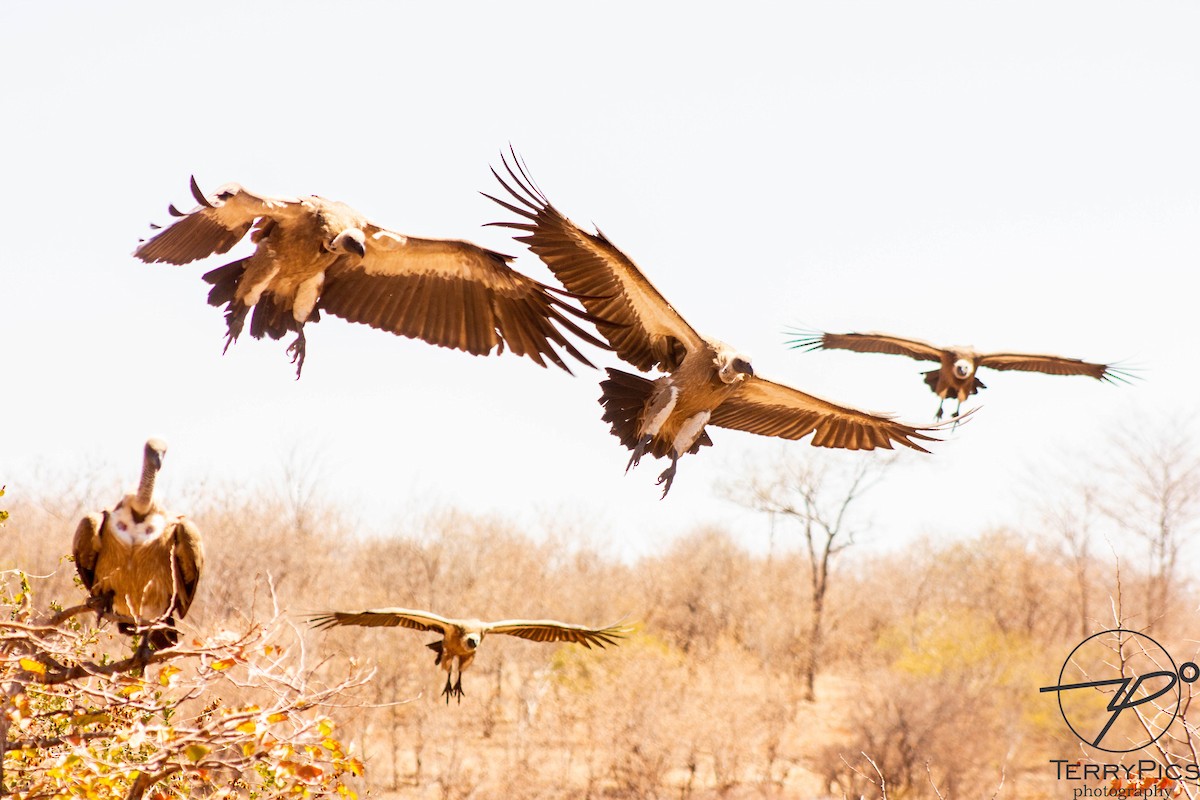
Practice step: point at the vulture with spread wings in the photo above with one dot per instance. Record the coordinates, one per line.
(706, 382)
(138, 561)
(316, 255)
(955, 374)
(461, 637)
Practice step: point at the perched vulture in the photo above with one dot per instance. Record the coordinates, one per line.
(706, 382)
(139, 561)
(318, 255)
(461, 637)
(956, 375)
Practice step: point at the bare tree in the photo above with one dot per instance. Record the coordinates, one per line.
(1158, 502)
(817, 492)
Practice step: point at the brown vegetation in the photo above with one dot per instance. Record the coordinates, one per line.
(926, 679)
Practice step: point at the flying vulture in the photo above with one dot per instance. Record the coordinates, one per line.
(461, 637)
(139, 561)
(956, 375)
(706, 382)
(316, 255)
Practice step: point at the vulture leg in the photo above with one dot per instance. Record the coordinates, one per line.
(448, 691)
(102, 604)
(938, 416)
(235, 318)
(668, 475)
(296, 351)
(638, 451)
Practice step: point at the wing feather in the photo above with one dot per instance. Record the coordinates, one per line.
(86, 547)
(866, 343)
(771, 409)
(549, 630)
(1054, 365)
(214, 226)
(188, 554)
(386, 618)
(642, 327)
(453, 294)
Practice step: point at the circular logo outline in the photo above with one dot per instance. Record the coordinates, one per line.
(1177, 688)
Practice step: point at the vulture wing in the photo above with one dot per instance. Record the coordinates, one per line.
(453, 294)
(772, 409)
(386, 618)
(866, 343)
(1054, 365)
(214, 226)
(548, 630)
(188, 556)
(86, 548)
(630, 313)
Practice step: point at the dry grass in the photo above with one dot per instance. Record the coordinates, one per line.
(932, 654)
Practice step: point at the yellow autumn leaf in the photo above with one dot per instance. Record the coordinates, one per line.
(168, 672)
(249, 726)
(278, 716)
(29, 665)
(195, 752)
(224, 663)
(325, 727)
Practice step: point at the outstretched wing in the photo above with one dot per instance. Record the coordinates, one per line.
(549, 630)
(630, 313)
(1055, 365)
(453, 294)
(86, 547)
(214, 226)
(866, 343)
(386, 618)
(188, 556)
(771, 409)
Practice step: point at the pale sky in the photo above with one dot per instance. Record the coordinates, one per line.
(1015, 176)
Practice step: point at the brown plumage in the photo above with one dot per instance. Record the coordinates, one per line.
(316, 255)
(138, 561)
(706, 382)
(955, 375)
(461, 637)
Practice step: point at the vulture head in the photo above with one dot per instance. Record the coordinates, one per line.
(964, 367)
(732, 367)
(351, 240)
(472, 640)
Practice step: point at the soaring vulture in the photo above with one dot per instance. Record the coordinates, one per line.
(461, 637)
(956, 375)
(318, 255)
(139, 561)
(706, 382)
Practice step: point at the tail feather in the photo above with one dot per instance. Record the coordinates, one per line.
(225, 282)
(624, 397)
(437, 648)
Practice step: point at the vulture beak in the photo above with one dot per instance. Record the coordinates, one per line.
(156, 449)
(355, 246)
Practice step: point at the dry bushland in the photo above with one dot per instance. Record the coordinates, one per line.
(926, 686)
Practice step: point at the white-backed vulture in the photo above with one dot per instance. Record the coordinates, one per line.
(958, 365)
(318, 255)
(461, 637)
(706, 382)
(140, 562)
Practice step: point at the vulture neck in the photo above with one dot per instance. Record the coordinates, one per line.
(144, 500)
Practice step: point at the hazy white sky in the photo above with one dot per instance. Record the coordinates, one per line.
(1018, 176)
